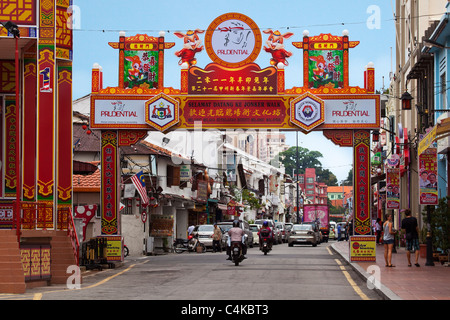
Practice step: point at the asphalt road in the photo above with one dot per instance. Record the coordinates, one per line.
(287, 273)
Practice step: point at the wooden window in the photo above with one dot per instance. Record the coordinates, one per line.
(173, 176)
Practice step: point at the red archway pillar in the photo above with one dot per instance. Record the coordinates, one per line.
(361, 182)
(110, 186)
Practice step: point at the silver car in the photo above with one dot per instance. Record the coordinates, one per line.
(205, 232)
(282, 231)
(302, 234)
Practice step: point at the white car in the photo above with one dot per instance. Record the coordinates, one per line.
(205, 232)
(254, 228)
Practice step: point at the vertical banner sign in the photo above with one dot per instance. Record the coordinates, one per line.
(109, 183)
(29, 129)
(10, 146)
(64, 150)
(428, 188)
(392, 188)
(361, 165)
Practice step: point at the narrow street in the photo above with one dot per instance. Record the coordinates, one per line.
(286, 273)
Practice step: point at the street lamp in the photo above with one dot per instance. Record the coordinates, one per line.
(406, 100)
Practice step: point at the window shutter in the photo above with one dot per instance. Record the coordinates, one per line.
(176, 176)
(169, 176)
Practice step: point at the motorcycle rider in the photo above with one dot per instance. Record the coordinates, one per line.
(265, 228)
(236, 234)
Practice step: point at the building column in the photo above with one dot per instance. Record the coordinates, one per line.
(361, 182)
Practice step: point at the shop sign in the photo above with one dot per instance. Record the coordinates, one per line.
(185, 173)
(427, 140)
(202, 191)
(363, 248)
(114, 248)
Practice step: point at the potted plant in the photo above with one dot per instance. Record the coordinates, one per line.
(423, 243)
(440, 226)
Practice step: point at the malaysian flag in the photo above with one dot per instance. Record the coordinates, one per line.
(139, 183)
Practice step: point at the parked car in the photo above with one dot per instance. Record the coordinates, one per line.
(227, 225)
(280, 227)
(254, 228)
(276, 232)
(302, 234)
(205, 232)
(287, 228)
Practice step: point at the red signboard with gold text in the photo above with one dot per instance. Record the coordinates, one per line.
(361, 165)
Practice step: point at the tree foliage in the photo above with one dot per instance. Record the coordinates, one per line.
(306, 159)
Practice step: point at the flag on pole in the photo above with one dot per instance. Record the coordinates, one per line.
(139, 183)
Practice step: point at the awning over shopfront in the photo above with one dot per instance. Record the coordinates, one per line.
(443, 129)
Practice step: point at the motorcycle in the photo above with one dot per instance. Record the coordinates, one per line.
(237, 254)
(265, 244)
(191, 244)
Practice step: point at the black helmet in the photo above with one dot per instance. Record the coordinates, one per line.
(235, 223)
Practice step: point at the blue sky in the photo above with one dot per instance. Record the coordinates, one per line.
(368, 21)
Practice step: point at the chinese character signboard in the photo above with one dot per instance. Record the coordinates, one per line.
(109, 183)
(326, 66)
(246, 80)
(362, 182)
(140, 68)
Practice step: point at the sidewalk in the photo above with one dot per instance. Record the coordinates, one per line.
(403, 282)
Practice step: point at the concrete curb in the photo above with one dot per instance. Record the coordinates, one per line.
(383, 291)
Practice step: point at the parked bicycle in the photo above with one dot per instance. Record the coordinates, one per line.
(191, 245)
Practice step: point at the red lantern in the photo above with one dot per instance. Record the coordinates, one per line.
(88, 132)
(84, 127)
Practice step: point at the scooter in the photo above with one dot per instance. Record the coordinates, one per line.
(237, 254)
(265, 245)
(190, 245)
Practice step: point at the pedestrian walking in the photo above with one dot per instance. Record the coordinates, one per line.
(411, 228)
(217, 239)
(378, 229)
(339, 231)
(388, 239)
